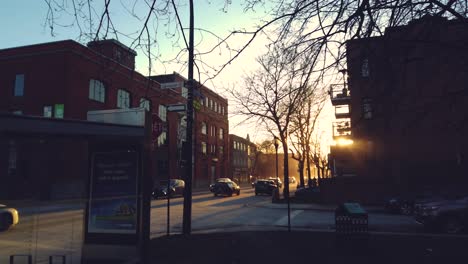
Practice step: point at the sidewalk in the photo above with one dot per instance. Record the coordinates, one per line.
(306, 247)
(310, 206)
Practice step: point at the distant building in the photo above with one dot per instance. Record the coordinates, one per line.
(65, 79)
(211, 129)
(404, 107)
(243, 158)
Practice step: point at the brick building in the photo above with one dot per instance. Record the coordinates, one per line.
(243, 158)
(211, 129)
(65, 79)
(404, 107)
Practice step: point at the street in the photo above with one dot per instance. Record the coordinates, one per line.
(59, 231)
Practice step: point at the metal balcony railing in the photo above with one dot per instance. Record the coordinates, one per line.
(342, 129)
(342, 111)
(339, 94)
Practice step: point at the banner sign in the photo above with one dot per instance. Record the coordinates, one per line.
(113, 193)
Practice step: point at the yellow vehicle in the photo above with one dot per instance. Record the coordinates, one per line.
(9, 217)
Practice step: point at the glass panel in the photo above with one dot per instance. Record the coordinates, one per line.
(47, 111)
(19, 85)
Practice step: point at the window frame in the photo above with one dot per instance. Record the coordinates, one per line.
(203, 146)
(18, 89)
(204, 128)
(121, 92)
(148, 107)
(95, 91)
(51, 111)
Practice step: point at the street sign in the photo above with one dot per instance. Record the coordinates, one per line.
(59, 109)
(172, 85)
(176, 108)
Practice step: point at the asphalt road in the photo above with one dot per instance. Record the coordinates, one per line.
(42, 232)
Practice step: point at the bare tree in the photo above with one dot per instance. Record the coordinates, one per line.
(302, 127)
(319, 27)
(274, 94)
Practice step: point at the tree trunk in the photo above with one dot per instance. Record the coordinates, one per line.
(301, 172)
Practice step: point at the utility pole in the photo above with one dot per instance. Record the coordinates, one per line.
(187, 214)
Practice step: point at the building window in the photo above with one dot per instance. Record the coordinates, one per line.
(220, 151)
(97, 91)
(19, 85)
(365, 67)
(123, 99)
(48, 109)
(145, 103)
(162, 113)
(221, 133)
(203, 128)
(203, 147)
(213, 149)
(206, 101)
(213, 131)
(367, 108)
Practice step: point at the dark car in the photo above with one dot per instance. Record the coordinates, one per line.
(219, 180)
(405, 204)
(449, 215)
(226, 188)
(265, 187)
(176, 188)
(308, 194)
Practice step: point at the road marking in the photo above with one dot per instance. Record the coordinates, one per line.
(284, 220)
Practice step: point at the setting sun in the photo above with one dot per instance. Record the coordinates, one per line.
(343, 142)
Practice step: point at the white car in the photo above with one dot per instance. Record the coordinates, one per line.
(8, 217)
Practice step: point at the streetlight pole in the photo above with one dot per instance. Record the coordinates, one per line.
(187, 213)
(276, 143)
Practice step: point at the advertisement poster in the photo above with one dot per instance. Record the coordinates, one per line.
(113, 193)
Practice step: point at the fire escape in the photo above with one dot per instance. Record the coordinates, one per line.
(341, 100)
(339, 158)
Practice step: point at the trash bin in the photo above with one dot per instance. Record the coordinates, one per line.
(351, 225)
(351, 218)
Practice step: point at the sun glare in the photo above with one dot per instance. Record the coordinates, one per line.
(343, 142)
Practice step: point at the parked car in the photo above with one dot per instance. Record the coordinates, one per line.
(277, 181)
(219, 180)
(176, 187)
(405, 204)
(308, 194)
(265, 187)
(226, 188)
(449, 215)
(279, 193)
(9, 217)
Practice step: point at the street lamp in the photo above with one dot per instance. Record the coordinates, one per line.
(276, 143)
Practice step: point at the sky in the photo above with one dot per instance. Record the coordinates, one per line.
(24, 23)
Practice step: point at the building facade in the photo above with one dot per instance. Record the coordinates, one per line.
(243, 158)
(211, 130)
(403, 106)
(65, 79)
